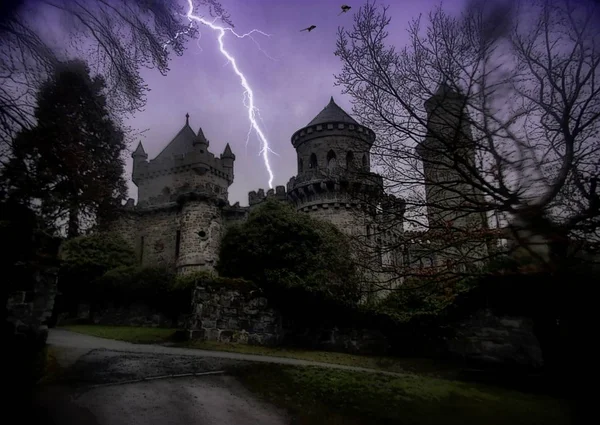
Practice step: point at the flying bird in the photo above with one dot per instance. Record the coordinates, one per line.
(345, 8)
(309, 29)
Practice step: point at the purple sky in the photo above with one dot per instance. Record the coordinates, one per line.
(289, 91)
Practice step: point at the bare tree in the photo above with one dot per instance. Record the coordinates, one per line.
(116, 37)
(492, 113)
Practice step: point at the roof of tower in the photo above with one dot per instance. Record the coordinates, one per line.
(182, 143)
(445, 90)
(200, 138)
(332, 113)
(227, 153)
(139, 151)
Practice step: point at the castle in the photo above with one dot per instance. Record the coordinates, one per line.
(183, 209)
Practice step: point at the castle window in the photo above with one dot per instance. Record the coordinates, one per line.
(331, 159)
(406, 256)
(364, 162)
(349, 159)
(313, 161)
(300, 165)
(177, 243)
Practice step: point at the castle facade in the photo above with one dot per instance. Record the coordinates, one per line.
(183, 209)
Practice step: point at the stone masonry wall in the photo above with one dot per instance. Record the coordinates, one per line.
(28, 312)
(227, 315)
(201, 232)
(126, 226)
(486, 338)
(153, 188)
(159, 232)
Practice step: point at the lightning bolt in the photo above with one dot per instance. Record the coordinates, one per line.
(248, 99)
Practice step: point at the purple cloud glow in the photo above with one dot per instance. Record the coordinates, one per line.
(289, 91)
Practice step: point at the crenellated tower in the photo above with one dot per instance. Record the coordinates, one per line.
(448, 155)
(334, 178)
(182, 193)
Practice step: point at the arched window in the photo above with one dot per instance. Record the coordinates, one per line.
(349, 160)
(313, 161)
(300, 165)
(331, 159)
(364, 162)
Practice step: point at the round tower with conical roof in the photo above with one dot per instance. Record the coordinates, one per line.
(334, 176)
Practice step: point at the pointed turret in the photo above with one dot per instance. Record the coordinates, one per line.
(201, 142)
(332, 113)
(227, 159)
(227, 153)
(139, 152)
(140, 161)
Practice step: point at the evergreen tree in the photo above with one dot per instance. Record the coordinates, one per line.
(69, 167)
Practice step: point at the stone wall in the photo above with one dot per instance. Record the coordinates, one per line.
(346, 340)
(201, 227)
(28, 312)
(229, 315)
(485, 338)
(156, 236)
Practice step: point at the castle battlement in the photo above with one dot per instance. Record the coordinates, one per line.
(186, 153)
(181, 163)
(257, 197)
(335, 129)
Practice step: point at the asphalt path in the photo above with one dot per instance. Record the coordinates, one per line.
(109, 382)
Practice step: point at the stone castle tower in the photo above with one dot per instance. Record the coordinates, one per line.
(335, 183)
(182, 195)
(448, 155)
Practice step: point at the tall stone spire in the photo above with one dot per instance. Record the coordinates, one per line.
(187, 119)
(139, 152)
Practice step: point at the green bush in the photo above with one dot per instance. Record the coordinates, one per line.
(280, 249)
(84, 260)
(154, 286)
(202, 278)
(94, 255)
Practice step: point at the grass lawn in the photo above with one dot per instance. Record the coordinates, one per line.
(319, 396)
(157, 335)
(388, 364)
(137, 335)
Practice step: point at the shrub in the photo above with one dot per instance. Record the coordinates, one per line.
(87, 258)
(154, 286)
(96, 254)
(280, 249)
(202, 278)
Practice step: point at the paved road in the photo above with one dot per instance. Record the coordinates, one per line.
(209, 400)
(74, 345)
(108, 382)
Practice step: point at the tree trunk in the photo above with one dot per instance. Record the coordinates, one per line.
(73, 225)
